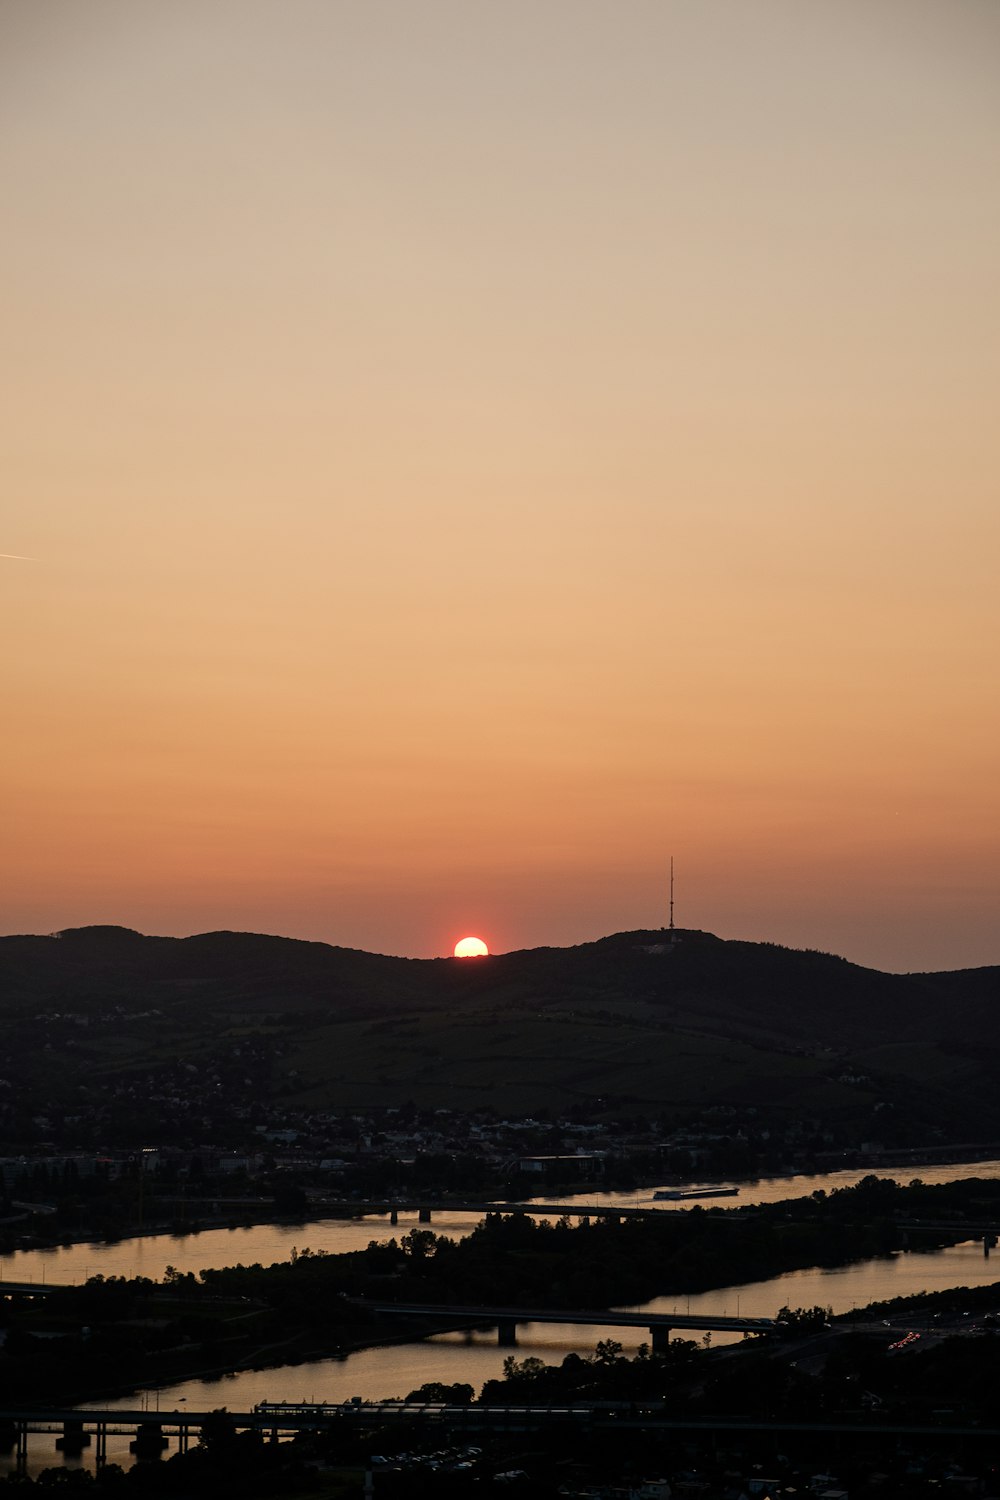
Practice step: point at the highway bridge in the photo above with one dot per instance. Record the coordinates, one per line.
(506, 1319)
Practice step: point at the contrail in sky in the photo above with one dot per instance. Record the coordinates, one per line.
(16, 557)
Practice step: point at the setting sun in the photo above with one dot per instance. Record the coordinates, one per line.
(471, 947)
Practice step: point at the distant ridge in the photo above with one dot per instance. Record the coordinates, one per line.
(629, 1017)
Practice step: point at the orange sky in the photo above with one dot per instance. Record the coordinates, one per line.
(474, 451)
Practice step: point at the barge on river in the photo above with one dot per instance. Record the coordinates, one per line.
(676, 1194)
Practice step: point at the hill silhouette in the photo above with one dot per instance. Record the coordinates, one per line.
(634, 1021)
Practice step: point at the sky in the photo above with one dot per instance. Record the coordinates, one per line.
(457, 455)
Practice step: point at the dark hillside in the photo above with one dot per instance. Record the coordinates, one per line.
(636, 1020)
(750, 990)
(110, 964)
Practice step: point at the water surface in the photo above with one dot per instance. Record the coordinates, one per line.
(150, 1255)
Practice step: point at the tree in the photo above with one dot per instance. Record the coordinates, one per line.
(218, 1430)
(436, 1391)
(803, 1320)
(607, 1352)
(525, 1369)
(418, 1244)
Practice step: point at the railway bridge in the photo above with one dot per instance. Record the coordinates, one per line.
(77, 1429)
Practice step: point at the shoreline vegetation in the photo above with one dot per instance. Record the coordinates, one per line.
(114, 1335)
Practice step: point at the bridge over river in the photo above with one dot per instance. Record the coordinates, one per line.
(426, 1208)
(78, 1429)
(506, 1319)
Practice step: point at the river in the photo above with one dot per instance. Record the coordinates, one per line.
(394, 1370)
(150, 1255)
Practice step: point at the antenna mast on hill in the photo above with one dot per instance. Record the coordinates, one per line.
(671, 893)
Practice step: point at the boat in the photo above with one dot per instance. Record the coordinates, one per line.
(680, 1193)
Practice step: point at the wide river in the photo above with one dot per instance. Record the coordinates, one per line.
(150, 1255)
(394, 1370)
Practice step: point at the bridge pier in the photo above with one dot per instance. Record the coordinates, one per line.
(423, 1215)
(149, 1441)
(21, 1447)
(659, 1334)
(74, 1439)
(989, 1243)
(101, 1446)
(507, 1333)
(394, 1216)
